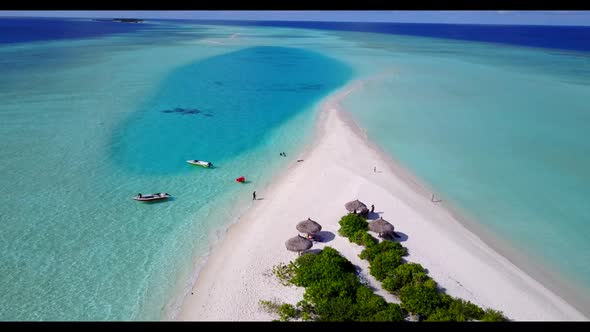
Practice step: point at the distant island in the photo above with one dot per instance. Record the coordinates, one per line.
(124, 20)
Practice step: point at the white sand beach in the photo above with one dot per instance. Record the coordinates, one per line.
(337, 168)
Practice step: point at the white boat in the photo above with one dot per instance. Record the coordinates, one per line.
(201, 163)
(152, 197)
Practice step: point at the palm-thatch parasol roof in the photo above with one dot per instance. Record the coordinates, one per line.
(381, 226)
(355, 205)
(298, 244)
(308, 226)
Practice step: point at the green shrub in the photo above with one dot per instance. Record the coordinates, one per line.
(334, 292)
(443, 315)
(430, 283)
(456, 310)
(284, 272)
(368, 303)
(395, 246)
(325, 275)
(357, 237)
(343, 287)
(351, 223)
(270, 306)
(362, 238)
(336, 310)
(305, 316)
(368, 240)
(491, 315)
(384, 263)
(420, 299)
(389, 284)
(370, 252)
(306, 310)
(470, 310)
(405, 274)
(327, 265)
(392, 313)
(287, 312)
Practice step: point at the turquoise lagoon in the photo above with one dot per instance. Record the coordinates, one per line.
(87, 129)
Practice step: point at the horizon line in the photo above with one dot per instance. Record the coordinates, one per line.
(295, 20)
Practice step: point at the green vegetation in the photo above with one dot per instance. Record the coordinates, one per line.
(270, 306)
(405, 274)
(287, 312)
(421, 299)
(383, 263)
(492, 315)
(284, 272)
(350, 224)
(362, 238)
(371, 251)
(333, 292)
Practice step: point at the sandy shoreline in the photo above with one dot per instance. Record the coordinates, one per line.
(336, 169)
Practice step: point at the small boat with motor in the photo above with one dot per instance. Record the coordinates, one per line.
(201, 163)
(152, 197)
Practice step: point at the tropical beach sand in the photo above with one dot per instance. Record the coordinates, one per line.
(339, 167)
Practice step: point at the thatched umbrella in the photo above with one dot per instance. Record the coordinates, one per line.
(308, 226)
(356, 206)
(381, 226)
(298, 244)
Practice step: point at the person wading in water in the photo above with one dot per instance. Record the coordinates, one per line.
(254, 196)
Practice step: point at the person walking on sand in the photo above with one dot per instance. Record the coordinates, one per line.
(375, 169)
(254, 196)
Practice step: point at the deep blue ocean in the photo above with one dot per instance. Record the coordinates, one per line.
(575, 38)
(16, 30)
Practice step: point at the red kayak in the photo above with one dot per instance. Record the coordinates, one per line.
(241, 179)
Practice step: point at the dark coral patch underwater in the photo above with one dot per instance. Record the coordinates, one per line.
(185, 111)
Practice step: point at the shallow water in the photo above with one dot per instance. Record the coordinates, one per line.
(81, 140)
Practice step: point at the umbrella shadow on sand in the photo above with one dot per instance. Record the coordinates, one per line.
(374, 215)
(399, 237)
(324, 236)
(395, 236)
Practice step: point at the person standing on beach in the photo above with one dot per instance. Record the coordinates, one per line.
(254, 196)
(375, 169)
(372, 208)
